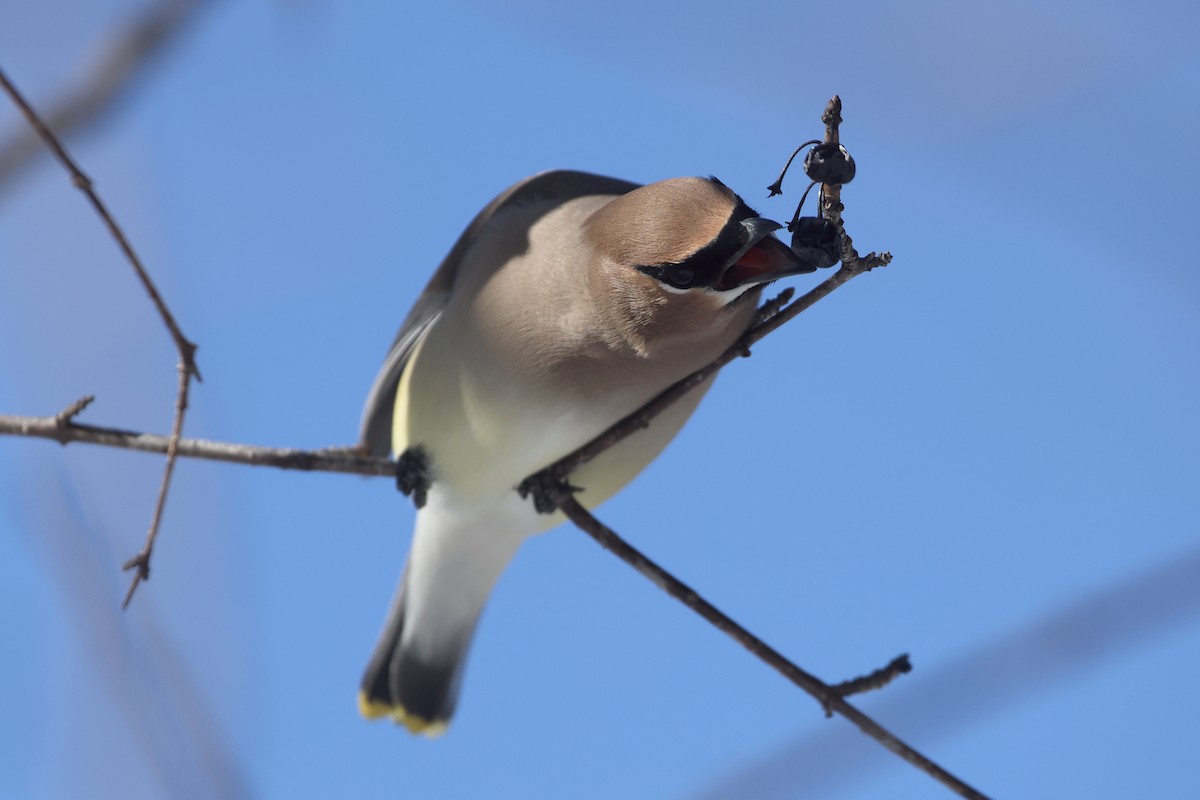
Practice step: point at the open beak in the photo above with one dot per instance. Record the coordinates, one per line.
(763, 259)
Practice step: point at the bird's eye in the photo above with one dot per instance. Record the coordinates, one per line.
(680, 277)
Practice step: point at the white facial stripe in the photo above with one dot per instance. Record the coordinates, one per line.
(725, 296)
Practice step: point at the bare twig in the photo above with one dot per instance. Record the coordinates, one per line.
(82, 182)
(132, 50)
(63, 418)
(772, 306)
(829, 697)
(831, 201)
(187, 350)
(878, 679)
(345, 460)
(140, 563)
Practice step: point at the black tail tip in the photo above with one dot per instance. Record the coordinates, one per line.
(414, 693)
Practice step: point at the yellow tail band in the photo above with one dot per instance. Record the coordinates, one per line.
(373, 709)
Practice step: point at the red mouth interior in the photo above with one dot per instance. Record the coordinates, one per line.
(754, 262)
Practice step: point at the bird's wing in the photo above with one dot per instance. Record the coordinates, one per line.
(549, 189)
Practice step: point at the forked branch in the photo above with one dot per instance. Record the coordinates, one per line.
(140, 563)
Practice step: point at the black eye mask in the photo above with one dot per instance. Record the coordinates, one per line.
(706, 265)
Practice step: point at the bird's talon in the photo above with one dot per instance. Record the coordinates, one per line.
(547, 492)
(412, 475)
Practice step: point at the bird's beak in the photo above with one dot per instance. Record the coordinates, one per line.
(763, 259)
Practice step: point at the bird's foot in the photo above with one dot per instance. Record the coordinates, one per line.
(547, 490)
(412, 474)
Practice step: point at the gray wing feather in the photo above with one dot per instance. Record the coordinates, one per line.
(375, 430)
(549, 188)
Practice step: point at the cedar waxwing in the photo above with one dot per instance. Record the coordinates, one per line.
(566, 304)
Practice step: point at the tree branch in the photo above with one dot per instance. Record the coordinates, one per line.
(187, 350)
(342, 460)
(900, 665)
(831, 201)
(831, 698)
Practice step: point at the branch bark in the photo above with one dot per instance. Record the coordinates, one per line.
(832, 699)
(343, 460)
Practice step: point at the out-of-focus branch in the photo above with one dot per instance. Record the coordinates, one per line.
(131, 51)
(186, 368)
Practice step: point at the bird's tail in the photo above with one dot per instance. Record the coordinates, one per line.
(416, 671)
(417, 690)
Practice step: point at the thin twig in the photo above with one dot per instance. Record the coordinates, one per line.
(63, 418)
(132, 50)
(829, 697)
(82, 182)
(140, 563)
(187, 350)
(344, 460)
(831, 200)
(900, 665)
(772, 306)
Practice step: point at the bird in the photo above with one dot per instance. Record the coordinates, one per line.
(568, 302)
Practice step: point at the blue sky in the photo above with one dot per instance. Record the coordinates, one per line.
(986, 455)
